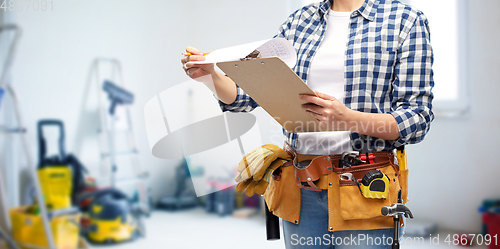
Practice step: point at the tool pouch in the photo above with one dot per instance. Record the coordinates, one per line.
(283, 195)
(353, 205)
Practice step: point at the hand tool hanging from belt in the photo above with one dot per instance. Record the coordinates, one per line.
(398, 210)
(366, 150)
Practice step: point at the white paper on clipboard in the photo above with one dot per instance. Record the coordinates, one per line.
(275, 47)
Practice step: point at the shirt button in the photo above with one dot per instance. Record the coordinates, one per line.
(323, 26)
(308, 55)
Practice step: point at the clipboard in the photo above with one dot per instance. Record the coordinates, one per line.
(276, 88)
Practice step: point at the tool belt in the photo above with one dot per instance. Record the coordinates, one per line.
(310, 168)
(348, 209)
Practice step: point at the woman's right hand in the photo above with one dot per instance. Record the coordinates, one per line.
(222, 86)
(196, 70)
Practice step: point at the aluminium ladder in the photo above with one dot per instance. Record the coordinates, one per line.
(6, 89)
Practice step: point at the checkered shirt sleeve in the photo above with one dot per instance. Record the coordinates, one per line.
(412, 95)
(243, 103)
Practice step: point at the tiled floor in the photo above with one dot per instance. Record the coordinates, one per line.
(196, 229)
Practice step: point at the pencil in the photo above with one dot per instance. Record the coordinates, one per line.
(186, 54)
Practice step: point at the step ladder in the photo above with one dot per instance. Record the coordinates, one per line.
(110, 131)
(6, 89)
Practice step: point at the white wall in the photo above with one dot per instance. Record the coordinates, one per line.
(456, 167)
(451, 171)
(57, 47)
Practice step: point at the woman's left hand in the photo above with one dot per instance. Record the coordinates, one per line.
(331, 114)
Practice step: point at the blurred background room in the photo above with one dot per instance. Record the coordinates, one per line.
(88, 68)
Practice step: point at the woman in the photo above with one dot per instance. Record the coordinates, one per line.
(370, 63)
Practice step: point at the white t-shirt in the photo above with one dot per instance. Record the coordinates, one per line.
(326, 75)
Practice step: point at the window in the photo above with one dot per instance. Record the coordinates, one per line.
(447, 22)
(449, 45)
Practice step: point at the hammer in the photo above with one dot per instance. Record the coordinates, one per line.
(396, 211)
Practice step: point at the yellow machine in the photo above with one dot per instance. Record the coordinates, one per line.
(61, 176)
(56, 181)
(111, 231)
(113, 219)
(56, 176)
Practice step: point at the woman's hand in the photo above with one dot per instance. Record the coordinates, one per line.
(331, 114)
(193, 70)
(222, 86)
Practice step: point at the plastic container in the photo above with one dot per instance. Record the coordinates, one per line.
(489, 206)
(492, 221)
(27, 229)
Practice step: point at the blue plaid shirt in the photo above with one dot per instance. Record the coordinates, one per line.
(387, 66)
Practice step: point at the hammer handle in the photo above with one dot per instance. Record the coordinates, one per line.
(272, 225)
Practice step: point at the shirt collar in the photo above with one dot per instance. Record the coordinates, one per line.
(324, 7)
(367, 10)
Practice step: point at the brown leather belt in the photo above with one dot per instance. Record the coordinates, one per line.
(311, 174)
